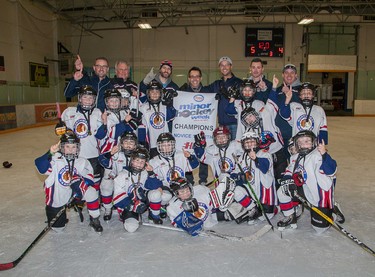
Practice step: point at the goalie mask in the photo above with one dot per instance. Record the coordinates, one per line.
(87, 98)
(305, 142)
(139, 159)
(221, 137)
(250, 118)
(306, 94)
(128, 142)
(166, 145)
(112, 98)
(154, 92)
(69, 145)
(250, 141)
(247, 90)
(182, 189)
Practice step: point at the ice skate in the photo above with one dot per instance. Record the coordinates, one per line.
(337, 213)
(107, 214)
(95, 224)
(155, 219)
(289, 222)
(253, 214)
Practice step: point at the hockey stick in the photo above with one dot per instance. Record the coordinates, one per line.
(14, 263)
(211, 233)
(335, 224)
(212, 182)
(252, 191)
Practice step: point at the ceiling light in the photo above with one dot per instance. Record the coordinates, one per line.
(144, 26)
(306, 20)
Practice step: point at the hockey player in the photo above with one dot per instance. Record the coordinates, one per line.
(135, 188)
(305, 115)
(85, 121)
(170, 164)
(257, 164)
(68, 174)
(114, 162)
(191, 207)
(312, 175)
(156, 113)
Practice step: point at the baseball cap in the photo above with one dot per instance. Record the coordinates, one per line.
(166, 62)
(225, 58)
(290, 66)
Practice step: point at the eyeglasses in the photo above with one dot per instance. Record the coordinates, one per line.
(194, 77)
(101, 66)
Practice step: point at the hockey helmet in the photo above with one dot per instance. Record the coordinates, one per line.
(247, 87)
(302, 146)
(87, 104)
(222, 137)
(66, 141)
(128, 142)
(179, 184)
(249, 136)
(307, 99)
(140, 153)
(152, 96)
(250, 118)
(166, 145)
(112, 98)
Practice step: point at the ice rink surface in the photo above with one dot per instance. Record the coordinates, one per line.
(79, 251)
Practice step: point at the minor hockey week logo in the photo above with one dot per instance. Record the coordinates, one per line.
(157, 120)
(65, 176)
(81, 129)
(173, 174)
(304, 124)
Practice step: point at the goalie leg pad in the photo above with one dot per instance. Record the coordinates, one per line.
(237, 213)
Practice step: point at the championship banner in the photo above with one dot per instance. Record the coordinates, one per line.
(196, 112)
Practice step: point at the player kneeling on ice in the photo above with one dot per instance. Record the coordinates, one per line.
(312, 175)
(135, 189)
(257, 167)
(68, 174)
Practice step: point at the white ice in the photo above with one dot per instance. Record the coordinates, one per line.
(79, 251)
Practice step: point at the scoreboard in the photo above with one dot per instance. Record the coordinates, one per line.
(264, 42)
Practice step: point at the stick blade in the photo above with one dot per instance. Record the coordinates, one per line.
(265, 229)
(7, 266)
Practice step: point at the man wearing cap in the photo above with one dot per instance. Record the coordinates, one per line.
(222, 89)
(290, 82)
(263, 86)
(163, 77)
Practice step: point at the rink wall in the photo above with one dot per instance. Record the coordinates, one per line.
(364, 107)
(18, 116)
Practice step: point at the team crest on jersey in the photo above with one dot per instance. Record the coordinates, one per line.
(174, 174)
(64, 176)
(81, 128)
(202, 212)
(304, 124)
(249, 174)
(300, 171)
(157, 120)
(133, 186)
(225, 164)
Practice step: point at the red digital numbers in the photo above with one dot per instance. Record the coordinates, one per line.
(264, 45)
(252, 50)
(281, 50)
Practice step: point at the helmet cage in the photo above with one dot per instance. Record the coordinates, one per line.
(302, 150)
(128, 137)
(166, 148)
(87, 90)
(179, 184)
(112, 94)
(245, 118)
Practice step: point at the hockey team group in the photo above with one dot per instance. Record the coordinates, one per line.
(116, 152)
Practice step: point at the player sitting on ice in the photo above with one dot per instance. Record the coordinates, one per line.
(114, 162)
(257, 165)
(170, 164)
(312, 175)
(68, 174)
(305, 115)
(135, 188)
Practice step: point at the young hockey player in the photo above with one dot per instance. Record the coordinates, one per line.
(170, 164)
(191, 207)
(310, 174)
(135, 188)
(257, 165)
(68, 174)
(157, 112)
(305, 115)
(114, 162)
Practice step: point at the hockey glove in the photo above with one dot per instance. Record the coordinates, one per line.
(168, 96)
(189, 223)
(288, 187)
(233, 92)
(135, 116)
(266, 140)
(298, 179)
(60, 128)
(190, 205)
(149, 77)
(200, 140)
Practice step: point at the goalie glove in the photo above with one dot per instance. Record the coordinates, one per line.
(190, 205)
(223, 195)
(189, 223)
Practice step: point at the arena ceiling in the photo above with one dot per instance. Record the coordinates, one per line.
(95, 15)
